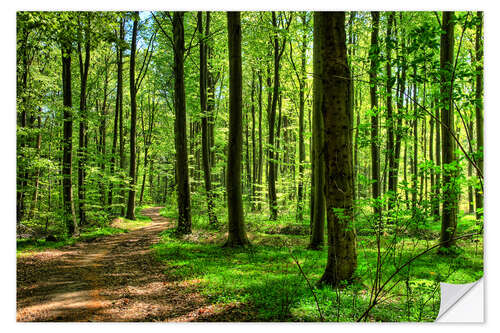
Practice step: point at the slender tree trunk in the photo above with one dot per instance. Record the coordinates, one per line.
(22, 82)
(182, 170)
(34, 199)
(254, 148)
(318, 177)
(375, 152)
(302, 148)
(212, 218)
(69, 208)
(390, 120)
(236, 223)
(102, 130)
(133, 123)
(479, 111)
(118, 107)
(259, 165)
(436, 200)
(415, 147)
(82, 138)
(273, 203)
(470, 189)
(337, 114)
(400, 105)
(449, 215)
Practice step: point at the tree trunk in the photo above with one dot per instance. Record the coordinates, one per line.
(69, 208)
(392, 189)
(212, 218)
(82, 137)
(449, 215)
(318, 172)
(479, 112)
(182, 170)
(118, 107)
(259, 165)
(375, 152)
(302, 148)
(133, 123)
(337, 114)
(273, 204)
(236, 223)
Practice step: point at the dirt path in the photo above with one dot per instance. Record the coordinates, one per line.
(113, 278)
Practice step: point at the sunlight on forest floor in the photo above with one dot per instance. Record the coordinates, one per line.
(265, 278)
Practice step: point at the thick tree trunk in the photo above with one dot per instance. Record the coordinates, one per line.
(182, 170)
(449, 215)
(236, 223)
(318, 176)
(69, 208)
(337, 114)
(133, 123)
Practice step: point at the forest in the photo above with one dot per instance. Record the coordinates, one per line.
(247, 166)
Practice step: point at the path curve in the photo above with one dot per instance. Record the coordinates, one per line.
(113, 278)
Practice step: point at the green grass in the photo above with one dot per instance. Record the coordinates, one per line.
(265, 277)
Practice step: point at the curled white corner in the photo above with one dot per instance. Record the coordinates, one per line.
(462, 303)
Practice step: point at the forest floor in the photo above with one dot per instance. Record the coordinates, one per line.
(143, 271)
(111, 278)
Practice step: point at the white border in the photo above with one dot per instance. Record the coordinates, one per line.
(7, 166)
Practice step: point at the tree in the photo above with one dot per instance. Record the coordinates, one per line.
(118, 104)
(336, 109)
(449, 215)
(69, 207)
(236, 223)
(133, 123)
(375, 152)
(182, 171)
(390, 119)
(205, 144)
(318, 165)
(82, 137)
(479, 109)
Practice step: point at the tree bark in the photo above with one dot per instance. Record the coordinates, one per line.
(82, 137)
(302, 148)
(236, 223)
(318, 172)
(133, 123)
(375, 152)
(449, 214)
(212, 218)
(479, 111)
(392, 189)
(182, 170)
(118, 107)
(336, 109)
(69, 208)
